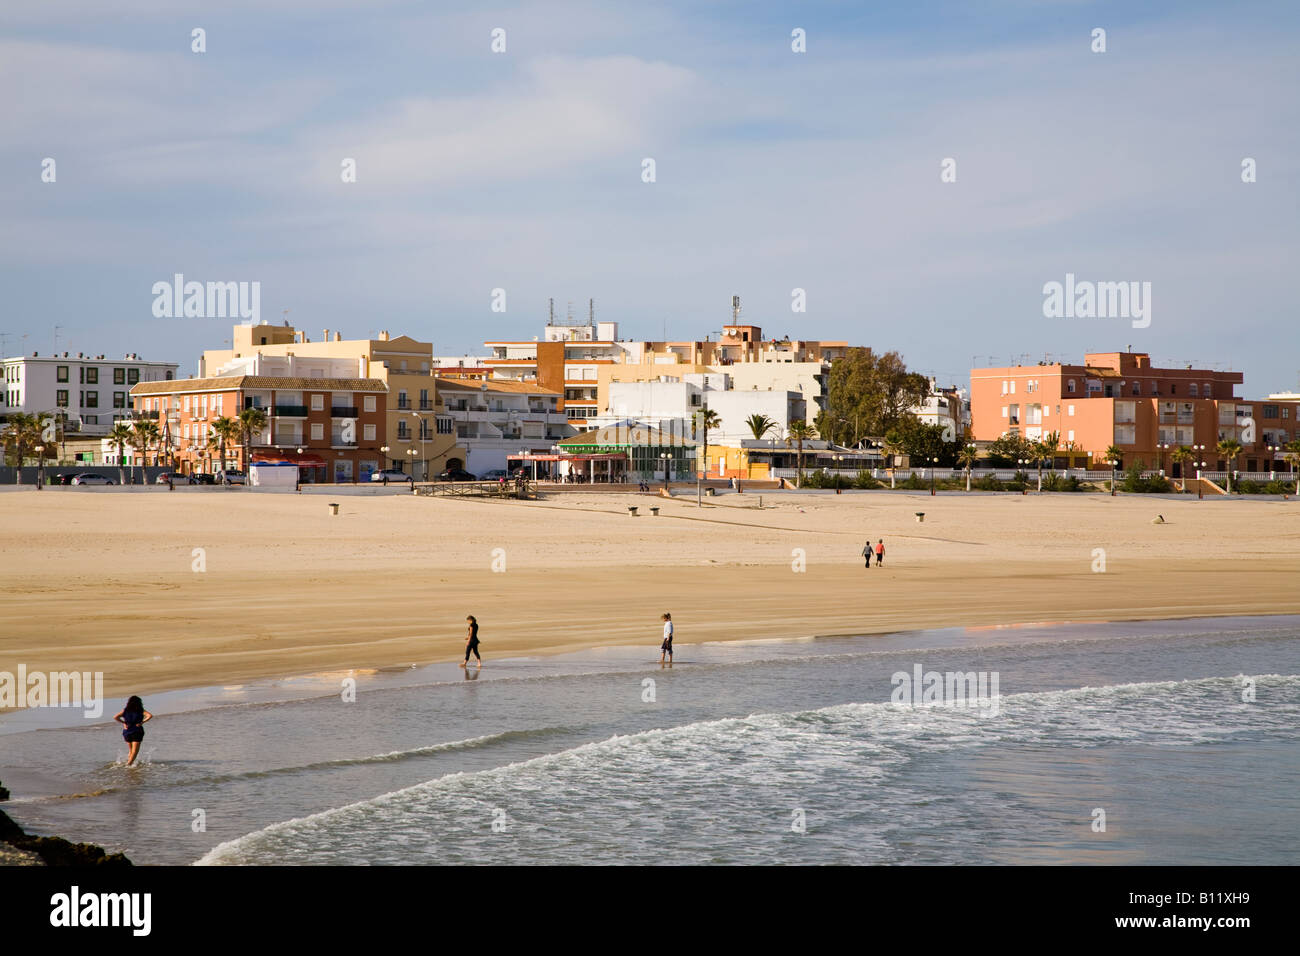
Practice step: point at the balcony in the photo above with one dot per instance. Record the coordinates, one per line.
(426, 405)
(343, 411)
(403, 404)
(291, 411)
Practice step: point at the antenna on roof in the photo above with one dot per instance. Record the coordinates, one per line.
(735, 310)
(551, 320)
(591, 311)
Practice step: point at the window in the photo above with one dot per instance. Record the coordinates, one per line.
(1070, 409)
(61, 373)
(119, 376)
(1270, 411)
(1013, 386)
(317, 430)
(368, 432)
(1004, 411)
(92, 400)
(1191, 390)
(119, 399)
(1069, 436)
(1070, 388)
(92, 376)
(1173, 388)
(61, 398)
(368, 403)
(444, 426)
(132, 376)
(1207, 392)
(187, 404)
(403, 433)
(1137, 388)
(317, 405)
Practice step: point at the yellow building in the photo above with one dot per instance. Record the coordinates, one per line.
(420, 435)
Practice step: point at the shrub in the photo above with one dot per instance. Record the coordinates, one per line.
(863, 479)
(987, 483)
(1275, 488)
(1247, 486)
(914, 483)
(817, 479)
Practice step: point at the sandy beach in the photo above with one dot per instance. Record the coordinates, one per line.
(108, 581)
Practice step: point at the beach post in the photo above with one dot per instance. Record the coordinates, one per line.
(334, 507)
(920, 517)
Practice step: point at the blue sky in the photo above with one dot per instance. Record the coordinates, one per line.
(775, 171)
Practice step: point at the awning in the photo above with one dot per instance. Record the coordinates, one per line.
(303, 461)
(610, 456)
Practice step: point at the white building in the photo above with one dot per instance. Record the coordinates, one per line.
(670, 404)
(91, 391)
(495, 418)
(946, 407)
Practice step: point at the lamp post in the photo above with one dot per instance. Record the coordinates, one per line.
(837, 459)
(1200, 488)
(412, 453)
(1272, 460)
(299, 467)
(665, 457)
(1160, 452)
(40, 466)
(934, 466)
(969, 463)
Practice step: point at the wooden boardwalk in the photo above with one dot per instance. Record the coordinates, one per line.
(476, 489)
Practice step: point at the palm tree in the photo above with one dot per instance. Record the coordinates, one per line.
(1072, 448)
(22, 433)
(223, 431)
(1229, 449)
(144, 434)
(251, 422)
(1044, 450)
(760, 425)
(1293, 458)
(967, 458)
(801, 431)
(1180, 457)
(707, 418)
(120, 435)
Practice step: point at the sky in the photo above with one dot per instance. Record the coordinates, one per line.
(775, 170)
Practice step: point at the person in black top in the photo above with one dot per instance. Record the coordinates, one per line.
(471, 642)
(132, 717)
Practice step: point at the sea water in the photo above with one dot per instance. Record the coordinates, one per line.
(1166, 742)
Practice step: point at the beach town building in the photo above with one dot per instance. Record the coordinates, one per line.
(622, 453)
(322, 414)
(87, 392)
(582, 357)
(417, 435)
(945, 406)
(494, 418)
(674, 403)
(1120, 399)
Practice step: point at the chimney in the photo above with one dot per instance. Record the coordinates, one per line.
(325, 335)
(338, 336)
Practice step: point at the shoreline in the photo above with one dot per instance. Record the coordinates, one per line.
(111, 584)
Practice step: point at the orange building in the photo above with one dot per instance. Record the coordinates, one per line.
(1119, 398)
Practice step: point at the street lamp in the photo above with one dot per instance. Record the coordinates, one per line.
(1113, 465)
(664, 457)
(1160, 453)
(934, 466)
(1200, 488)
(837, 459)
(40, 466)
(969, 463)
(1272, 460)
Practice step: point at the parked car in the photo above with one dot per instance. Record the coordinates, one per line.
(391, 475)
(90, 478)
(176, 478)
(456, 474)
(496, 474)
(64, 478)
(202, 479)
(231, 477)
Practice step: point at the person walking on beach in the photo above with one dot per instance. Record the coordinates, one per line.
(133, 717)
(471, 642)
(880, 551)
(666, 648)
(866, 552)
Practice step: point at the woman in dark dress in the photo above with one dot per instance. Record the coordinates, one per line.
(471, 642)
(133, 717)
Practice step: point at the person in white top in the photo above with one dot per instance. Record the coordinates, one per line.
(666, 648)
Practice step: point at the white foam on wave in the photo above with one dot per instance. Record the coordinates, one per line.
(858, 744)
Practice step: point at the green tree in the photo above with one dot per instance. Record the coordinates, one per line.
(801, 431)
(868, 395)
(224, 432)
(760, 425)
(967, 457)
(922, 442)
(144, 433)
(1229, 449)
(705, 419)
(22, 433)
(1292, 457)
(1181, 456)
(251, 422)
(1006, 451)
(120, 435)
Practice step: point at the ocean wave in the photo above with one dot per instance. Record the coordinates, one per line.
(635, 786)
